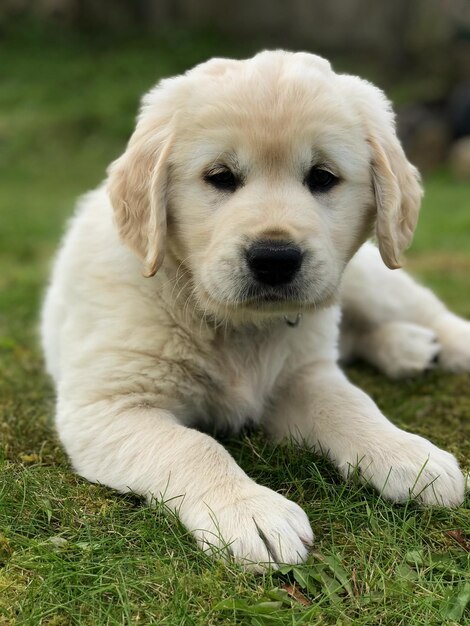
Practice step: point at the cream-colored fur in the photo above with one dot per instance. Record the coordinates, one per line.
(149, 328)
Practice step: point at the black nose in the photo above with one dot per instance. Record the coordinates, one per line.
(274, 263)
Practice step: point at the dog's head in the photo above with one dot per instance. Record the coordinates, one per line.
(262, 178)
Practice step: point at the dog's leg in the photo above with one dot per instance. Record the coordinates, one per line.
(396, 324)
(127, 445)
(320, 407)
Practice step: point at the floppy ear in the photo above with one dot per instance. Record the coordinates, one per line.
(137, 187)
(397, 195)
(395, 181)
(138, 181)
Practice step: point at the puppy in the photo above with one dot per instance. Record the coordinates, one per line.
(201, 284)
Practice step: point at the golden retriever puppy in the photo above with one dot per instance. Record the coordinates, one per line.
(200, 286)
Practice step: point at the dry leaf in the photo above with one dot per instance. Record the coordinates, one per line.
(296, 594)
(460, 538)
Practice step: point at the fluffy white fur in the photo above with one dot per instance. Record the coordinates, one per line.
(140, 361)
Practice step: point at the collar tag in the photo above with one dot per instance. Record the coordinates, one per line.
(293, 322)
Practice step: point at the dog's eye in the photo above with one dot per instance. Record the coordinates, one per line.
(318, 180)
(223, 179)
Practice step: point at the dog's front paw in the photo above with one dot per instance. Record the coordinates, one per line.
(408, 466)
(255, 526)
(454, 337)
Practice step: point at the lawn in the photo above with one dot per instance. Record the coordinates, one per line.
(76, 553)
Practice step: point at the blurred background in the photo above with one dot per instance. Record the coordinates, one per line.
(72, 73)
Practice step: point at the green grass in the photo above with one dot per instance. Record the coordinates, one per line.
(76, 553)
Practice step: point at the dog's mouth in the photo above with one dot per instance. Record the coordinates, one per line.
(254, 302)
(256, 296)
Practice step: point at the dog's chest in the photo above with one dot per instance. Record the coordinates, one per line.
(242, 376)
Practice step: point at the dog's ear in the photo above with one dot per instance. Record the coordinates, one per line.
(137, 187)
(138, 180)
(398, 195)
(396, 183)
